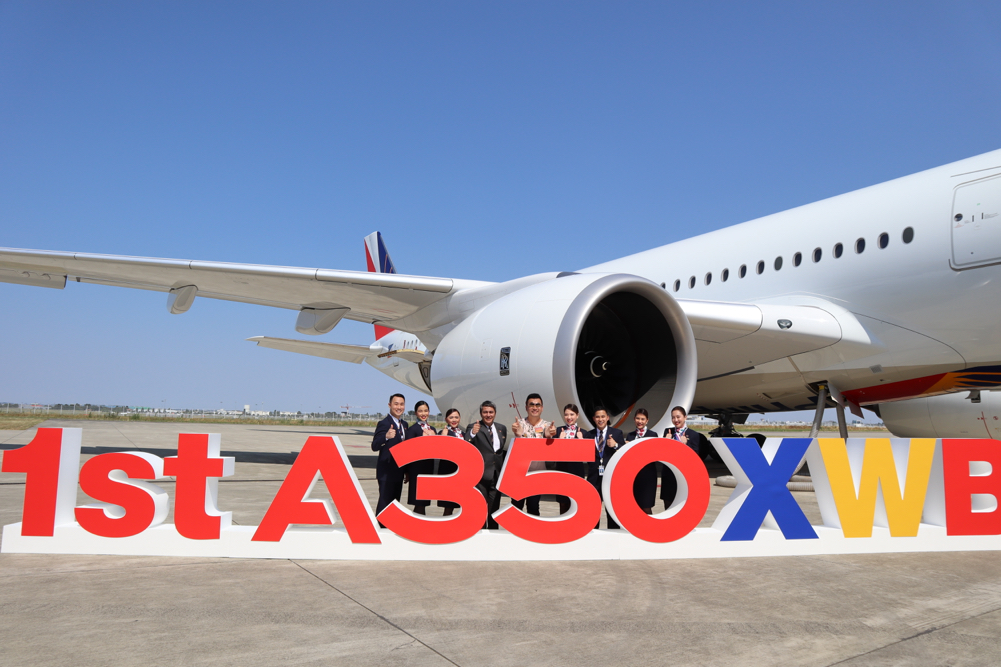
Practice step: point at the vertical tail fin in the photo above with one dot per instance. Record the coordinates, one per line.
(377, 261)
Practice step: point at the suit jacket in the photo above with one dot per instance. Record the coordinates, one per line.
(607, 454)
(382, 444)
(696, 441)
(492, 461)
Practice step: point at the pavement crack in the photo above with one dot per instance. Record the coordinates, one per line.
(376, 614)
(927, 631)
(125, 436)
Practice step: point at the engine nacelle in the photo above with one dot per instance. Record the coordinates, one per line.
(945, 416)
(613, 340)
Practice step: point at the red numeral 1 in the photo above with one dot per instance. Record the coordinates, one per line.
(52, 462)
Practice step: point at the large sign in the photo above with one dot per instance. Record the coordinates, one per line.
(875, 495)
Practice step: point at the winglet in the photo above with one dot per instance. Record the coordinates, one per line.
(377, 261)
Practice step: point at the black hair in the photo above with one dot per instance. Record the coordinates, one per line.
(419, 404)
(397, 396)
(572, 408)
(450, 411)
(683, 411)
(487, 404)
(597, 409)
(530, 397)
(642, 411)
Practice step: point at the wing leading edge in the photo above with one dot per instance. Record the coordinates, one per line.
(370, 297)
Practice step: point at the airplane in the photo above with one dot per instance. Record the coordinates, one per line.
(885, 297)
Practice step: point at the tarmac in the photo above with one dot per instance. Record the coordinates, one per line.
(889, 609)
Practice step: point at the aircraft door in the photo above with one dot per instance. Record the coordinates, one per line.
(976, 223)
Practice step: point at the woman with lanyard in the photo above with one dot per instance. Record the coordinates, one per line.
(570, 431)
(423, 466)
(645, 484)
(606, 442)
(453, 429)
(684, 435)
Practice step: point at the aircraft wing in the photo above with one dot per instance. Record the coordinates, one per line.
(356, 295)
(354, 354)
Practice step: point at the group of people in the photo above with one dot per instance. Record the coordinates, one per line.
(490, 438)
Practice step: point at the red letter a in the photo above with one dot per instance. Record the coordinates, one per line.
(320, 457)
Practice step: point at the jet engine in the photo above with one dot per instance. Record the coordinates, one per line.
(968, 414)
(611, 340)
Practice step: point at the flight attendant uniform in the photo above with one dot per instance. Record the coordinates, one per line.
(645, 484)
(668, 482)
(449, 467)
(578, 468)
(421, 467)
(603, 453)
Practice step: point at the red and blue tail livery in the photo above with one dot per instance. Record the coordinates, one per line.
(377, 261)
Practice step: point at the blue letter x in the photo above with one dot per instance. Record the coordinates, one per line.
(768, 490)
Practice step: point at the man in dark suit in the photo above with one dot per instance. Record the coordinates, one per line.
(490, 438)
(390, 431)
(606, 442)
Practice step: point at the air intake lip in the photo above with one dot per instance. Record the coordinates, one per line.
(645, 342)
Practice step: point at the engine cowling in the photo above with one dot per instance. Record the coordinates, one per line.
(614, 340)
(945, 416)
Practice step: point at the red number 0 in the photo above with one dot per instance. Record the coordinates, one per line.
(517, 482)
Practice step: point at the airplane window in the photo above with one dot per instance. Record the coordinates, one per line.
(860, 246)
(760, 268)
(778, 263)
(726, 274)
(743, 270)
(908, 235)
(691, 282)
(663, 285)
(797, 259)
(677, 285)
(709, 278)
(817, 254)
(884, 240)
(838, 249)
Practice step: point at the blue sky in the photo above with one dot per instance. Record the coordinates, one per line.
(485, 141)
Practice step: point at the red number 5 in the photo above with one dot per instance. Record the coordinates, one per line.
(517, 482)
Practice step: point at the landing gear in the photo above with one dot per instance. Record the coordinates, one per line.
(724, 430)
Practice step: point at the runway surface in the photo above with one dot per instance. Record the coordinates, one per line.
(896, 609)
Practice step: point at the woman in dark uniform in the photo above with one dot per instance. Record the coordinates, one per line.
(570, 414)
(424, 466)
(645, 484)
(453, 429)
(686, 436)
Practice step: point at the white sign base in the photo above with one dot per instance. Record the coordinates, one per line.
(327, 543)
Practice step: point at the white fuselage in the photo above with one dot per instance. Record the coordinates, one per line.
(929, 316)
(928, 307)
